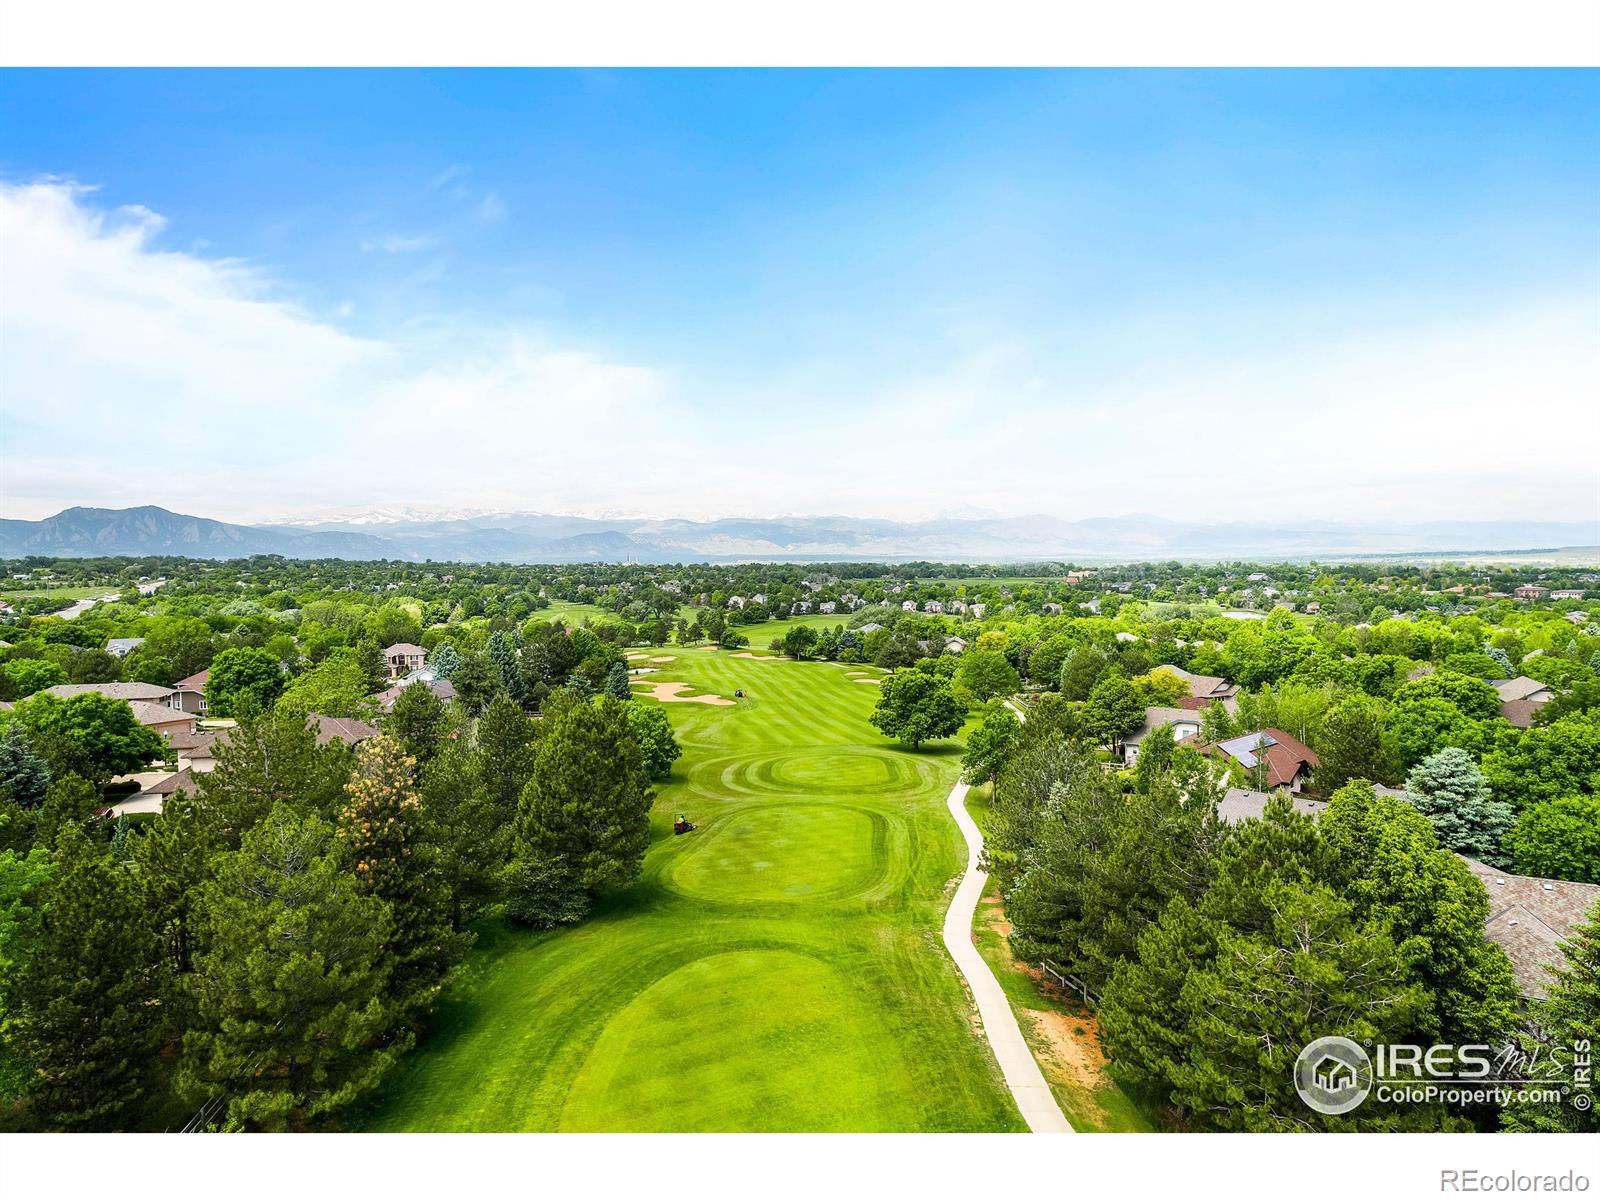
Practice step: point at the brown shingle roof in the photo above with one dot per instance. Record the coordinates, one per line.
(344, 729)
(1285, 758)
(1241, 804)
(1520, 688)
(157, 714)
(117, 691)
(182, 780)
(1530, 917)
(1520, 712)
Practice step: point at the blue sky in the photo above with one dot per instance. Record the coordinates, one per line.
(881, 293)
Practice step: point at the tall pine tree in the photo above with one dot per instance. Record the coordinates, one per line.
(291, 987)
(89, 1022)
(395, 857)
(502, 654)
(588, 802)
(270, 759)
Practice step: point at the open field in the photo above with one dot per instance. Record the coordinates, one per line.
(570, 613)
(763, 632)
(778, 969)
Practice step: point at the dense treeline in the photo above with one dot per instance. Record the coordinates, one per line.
(1218, 952)
(266, 948)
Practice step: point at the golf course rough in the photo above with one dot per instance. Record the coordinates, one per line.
(779, 969)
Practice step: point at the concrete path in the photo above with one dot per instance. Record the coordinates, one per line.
(1023, 1077)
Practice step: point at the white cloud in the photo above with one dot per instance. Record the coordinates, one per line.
(132, 374)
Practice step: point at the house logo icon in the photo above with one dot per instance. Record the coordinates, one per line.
(1333, 1075)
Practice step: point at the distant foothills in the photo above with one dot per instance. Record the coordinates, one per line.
(535, 537)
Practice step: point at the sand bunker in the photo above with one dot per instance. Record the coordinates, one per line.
(637, 657)
(665, 658)
(873, 681)
(668, 692)
(747, 654)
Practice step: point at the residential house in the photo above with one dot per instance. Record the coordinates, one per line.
(828, 606)
(955, 645)
(801, 607)
(1578, 617)
(1313, 606)
(196, 750)
(1241, 804)
(150, 693)
(908, 606)
(153, 798)
(1520, 698)
(189, 694)
(977, 610)
(1185, 723)
(1257, 577)
(342, 729)
(402, 658)
(1051, 608)
(736, 601)
(933, 606)
(163, 718)
(870, 627)
(441, 688)
(1289, 761)
(1529, 591)
(1203, 687)
(122, 647)
(1530, 917)
(759, 598)
(1567, 594)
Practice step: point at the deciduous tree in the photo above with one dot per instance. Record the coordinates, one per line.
(916, 707)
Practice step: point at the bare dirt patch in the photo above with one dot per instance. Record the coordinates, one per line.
(668, 693)
(1073, 1046)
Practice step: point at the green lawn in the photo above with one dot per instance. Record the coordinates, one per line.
(778, 969)
(61, 593)
(571, 613)
(762, 633)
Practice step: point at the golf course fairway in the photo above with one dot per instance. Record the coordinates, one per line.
(777, 969)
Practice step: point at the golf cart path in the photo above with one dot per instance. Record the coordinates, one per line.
(1022, 1074)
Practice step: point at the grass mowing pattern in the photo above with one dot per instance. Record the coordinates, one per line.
(778, 969)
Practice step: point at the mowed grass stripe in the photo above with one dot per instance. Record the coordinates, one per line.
(778, 969)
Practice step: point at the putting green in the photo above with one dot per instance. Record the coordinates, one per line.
(777, 969)
(653, 1070)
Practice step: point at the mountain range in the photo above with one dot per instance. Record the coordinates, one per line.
(476, 536)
